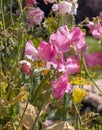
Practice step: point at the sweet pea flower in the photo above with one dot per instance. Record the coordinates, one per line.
(30, 51)
(77, 38)
(26, 67)
(61, 39)
(95, 29)
(46, 51)
(100, 16)
(74, 6)
(31, 2)
(60, 86)
(35, 17)
(71, 65)
(55, 7)
(56, 62)
(64, 7)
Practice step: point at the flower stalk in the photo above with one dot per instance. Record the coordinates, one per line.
(90, 77)
(2, 13)
(65, 108)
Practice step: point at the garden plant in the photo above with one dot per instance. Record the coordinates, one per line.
(45, 66)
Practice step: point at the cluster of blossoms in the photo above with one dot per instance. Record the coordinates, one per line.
(96, 27)
(63, 50)
(36, 15)
(56, 54)
(66, 7)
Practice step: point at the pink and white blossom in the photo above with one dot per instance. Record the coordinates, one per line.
(26, 67)
(35, 17)
(30, 51)
(96, 29)
(55, 7)
(64, 7)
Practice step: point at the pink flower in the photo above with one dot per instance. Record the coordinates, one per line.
(57, 62)
(31, 2)
(35, 17)
(30, 51)
(26, 67)
(48, 122)
(61, 39)
(55, 7)
(78, 38)
(71, 65)
(64, 7)
(95, 29)
(100, 16)
(46, 51)
(93, 59)
(60, 86)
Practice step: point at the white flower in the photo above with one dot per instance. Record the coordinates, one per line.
(64, 7)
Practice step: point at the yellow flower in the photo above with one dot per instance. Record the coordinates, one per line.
(78, 95)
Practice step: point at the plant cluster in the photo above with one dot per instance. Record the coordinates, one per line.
(44, 65)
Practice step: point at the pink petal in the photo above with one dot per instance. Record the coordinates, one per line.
(30, 51)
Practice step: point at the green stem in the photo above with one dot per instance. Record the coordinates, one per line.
(38, 88)
(65, 108)
(81, 122)
(26, 104)
(20, 5)
(2, 14)
(24, 109)
(11, 13)
(43, 102)
(91, 78)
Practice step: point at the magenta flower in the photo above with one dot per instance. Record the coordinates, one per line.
(31, 2)
(71, 65)
(35, 17)
(100, 16)
(93, 59)
(60, 86)
(30, 51)
(78, 38)
(26, 67)
(46, 51)
(61, 39)
(57, 62)
(95, 29)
